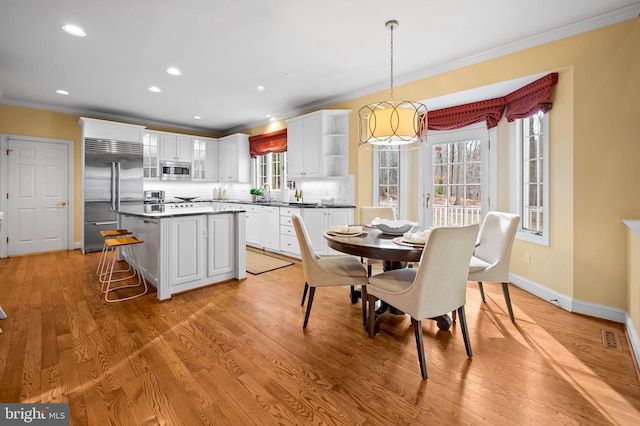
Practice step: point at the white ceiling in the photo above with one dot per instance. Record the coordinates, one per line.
(306, 54)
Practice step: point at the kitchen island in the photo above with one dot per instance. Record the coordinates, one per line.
(187, 248)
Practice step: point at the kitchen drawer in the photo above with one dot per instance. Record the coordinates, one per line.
(289, 244)
(289, 211)
(287, 231)
(286, 221)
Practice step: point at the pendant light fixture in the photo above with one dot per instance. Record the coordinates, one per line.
(393, 124)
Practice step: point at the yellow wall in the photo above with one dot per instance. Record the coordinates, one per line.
(594, 167)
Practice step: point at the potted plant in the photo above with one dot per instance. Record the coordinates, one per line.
(255, 193)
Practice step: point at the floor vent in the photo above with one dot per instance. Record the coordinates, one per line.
(610, 340)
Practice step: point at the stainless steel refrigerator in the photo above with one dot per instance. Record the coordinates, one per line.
(112, 178)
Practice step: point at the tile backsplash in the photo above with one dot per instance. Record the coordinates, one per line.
(342, 190)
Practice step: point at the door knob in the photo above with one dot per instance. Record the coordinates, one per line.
(61, 203)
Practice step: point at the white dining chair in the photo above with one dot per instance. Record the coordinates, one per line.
(329, 271)
(436, 288)
(492, 256)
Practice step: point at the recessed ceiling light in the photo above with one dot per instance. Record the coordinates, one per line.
(62, 92)
(173, 71)
(74, 30)
(197, 117)
(154, 89)
(260, 88)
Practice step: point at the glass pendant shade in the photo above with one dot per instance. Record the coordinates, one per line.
(401, 124)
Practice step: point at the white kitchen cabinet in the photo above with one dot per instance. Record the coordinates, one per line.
(200, 150)
(304, 147)
(176, 147)
(150, 146)
(288, 239)
(220, 244)
(318, 144)
(317, 220)
(186, 250)
(212, 167)
(234, 158)
(103, 129)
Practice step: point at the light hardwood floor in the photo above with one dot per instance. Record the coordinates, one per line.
(235, 353)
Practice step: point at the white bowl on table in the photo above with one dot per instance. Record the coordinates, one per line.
(393, 227)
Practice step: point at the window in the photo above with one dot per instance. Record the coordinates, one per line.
(531, 168)
(389, 170)
(269, 170)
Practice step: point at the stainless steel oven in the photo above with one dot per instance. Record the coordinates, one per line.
(175, 170)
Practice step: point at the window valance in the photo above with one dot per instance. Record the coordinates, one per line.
(521, 103)
(268, 142)
(459, 116)
(531, 98)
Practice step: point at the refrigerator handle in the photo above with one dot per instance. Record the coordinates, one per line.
(117, 186)
(113, 186)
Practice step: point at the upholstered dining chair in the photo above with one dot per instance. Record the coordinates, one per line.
(367, 214)
(492, 256)
(436, 288)
(339, 270)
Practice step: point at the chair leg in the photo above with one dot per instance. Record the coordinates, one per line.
(371, 300)
(369, 270)
(507, 298)
(353, 295)
(304, 293)
(481, 291)
(465, 330)
(454, 315)
(417, 330)
(364, 305)
(312, 292)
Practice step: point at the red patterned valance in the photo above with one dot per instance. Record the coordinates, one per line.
(531, 98)
(268, 142)
(521, 103)
(464, 115)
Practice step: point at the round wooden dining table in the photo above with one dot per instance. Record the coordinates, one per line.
(374, 244)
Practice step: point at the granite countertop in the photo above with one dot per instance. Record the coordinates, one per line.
(284, 204)
(168, 212)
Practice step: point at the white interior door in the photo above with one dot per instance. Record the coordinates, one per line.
(38, 203)
(456, 175)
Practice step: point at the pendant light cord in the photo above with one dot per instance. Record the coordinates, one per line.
(392, 25)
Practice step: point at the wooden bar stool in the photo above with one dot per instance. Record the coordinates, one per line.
(108, 234)
(126, 244)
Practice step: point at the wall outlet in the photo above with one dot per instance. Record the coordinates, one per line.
(527, 257)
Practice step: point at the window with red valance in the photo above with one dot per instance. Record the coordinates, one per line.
(268, 142)
(521, 103)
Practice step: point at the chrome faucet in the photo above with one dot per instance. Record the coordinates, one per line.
(269, 188)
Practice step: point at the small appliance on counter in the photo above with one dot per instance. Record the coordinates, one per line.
(153, 196)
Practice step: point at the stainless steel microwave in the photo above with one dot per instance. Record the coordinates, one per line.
(175, 170)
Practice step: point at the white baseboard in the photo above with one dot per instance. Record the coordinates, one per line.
(581, 307)
(633, 338)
